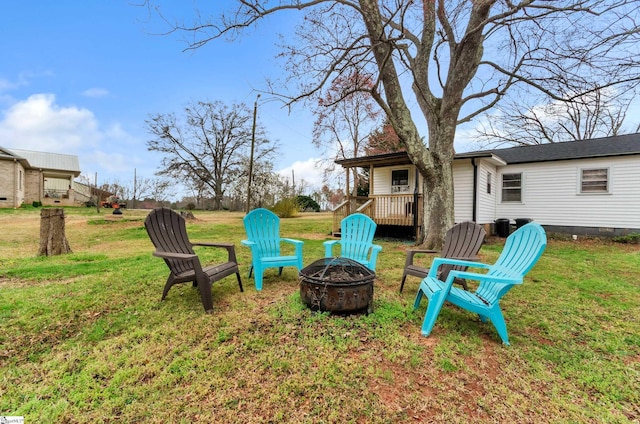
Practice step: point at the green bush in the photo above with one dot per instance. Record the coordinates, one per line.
(36, 204)
(286, 208)
(633, 238)
(306, 202)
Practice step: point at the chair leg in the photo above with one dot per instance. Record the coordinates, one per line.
(204, 287)
(250, 271)
(433, 310)
(497, 319)
(416, 303)
(258, 278)
(280, 271)
(404, 277)
(167, 286)
(239, 281)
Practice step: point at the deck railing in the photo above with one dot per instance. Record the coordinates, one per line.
(346, 208)
(391, 209)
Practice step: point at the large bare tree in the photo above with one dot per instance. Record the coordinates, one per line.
(345, 119)
(452, 59)
(597, 113)
(208, 146)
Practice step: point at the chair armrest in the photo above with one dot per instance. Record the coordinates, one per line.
(208, 244)
(413, 252)
(375, 249)
(328, 247)
(484, 277)
(231, 249)
(292, 241)
(441, 261)
(298, 246)
(466, 258)
(174, 255)
(183, 257)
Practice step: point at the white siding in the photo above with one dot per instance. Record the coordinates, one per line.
(551, 194)
(486, 212)
(382, 179)
(463, 190)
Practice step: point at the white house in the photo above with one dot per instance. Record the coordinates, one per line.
(580, 187)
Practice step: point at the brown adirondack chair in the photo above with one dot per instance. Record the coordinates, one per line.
(462, 241)
(168, 233)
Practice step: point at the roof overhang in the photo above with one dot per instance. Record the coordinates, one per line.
(402, 158)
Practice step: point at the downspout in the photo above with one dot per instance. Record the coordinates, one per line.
(415, 202)
(475, 190)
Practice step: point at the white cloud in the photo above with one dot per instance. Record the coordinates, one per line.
(37, 123)
(308, 170)
(96, 92)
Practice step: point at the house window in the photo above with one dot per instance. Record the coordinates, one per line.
(489, 177)
(512, 187)
(594, 180)
(399, 180)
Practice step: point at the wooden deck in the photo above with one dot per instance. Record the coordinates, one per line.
(393, 209)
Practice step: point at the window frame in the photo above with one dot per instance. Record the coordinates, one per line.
(519, 188)
(400, 188)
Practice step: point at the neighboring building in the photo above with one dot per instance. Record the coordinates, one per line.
(27, 176)
(580, 187)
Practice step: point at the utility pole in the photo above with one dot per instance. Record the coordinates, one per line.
(95, 183)
(135, 180)
(253, 142)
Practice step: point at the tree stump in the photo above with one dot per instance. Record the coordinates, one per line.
(52, 237)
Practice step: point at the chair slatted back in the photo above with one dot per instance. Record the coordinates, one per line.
(522, 250)
(462, 241)
(357, 231)
(263, 228)
(168, 232)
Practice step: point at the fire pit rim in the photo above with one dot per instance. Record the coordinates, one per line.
(337, 261)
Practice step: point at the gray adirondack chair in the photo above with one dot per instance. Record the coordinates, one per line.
(462, 241)
(168, 233)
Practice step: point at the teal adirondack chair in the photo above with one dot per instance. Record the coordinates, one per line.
(522, 250)
(263, 234)
(356, 240)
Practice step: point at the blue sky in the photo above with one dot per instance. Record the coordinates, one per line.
(81, 77)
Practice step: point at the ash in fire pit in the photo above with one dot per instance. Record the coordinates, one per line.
(338, 285)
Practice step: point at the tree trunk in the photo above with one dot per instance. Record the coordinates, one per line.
(52, 238)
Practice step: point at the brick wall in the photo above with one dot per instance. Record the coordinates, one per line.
(9, 176)
(32, 190)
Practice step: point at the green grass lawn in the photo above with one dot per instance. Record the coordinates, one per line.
(84, 337)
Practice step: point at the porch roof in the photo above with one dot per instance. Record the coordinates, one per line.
(402, 158)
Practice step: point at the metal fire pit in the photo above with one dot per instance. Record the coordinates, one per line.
(337, 285)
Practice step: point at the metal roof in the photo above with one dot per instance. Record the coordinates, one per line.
(48, 161)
